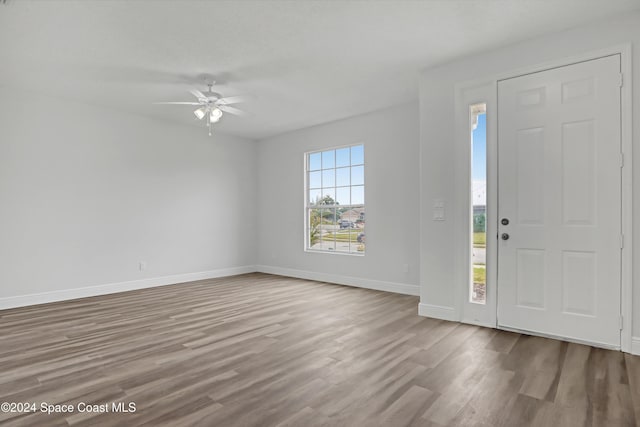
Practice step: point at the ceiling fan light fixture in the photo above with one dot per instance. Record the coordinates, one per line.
(210, 105)
(200, 113)
(215, 115)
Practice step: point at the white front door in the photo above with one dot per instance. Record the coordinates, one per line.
(559, 188)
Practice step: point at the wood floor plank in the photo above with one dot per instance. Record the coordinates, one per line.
(632, 364)
(264, 350)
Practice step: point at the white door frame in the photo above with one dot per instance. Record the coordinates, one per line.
(485, 90)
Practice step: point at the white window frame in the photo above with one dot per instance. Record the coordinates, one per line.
(308, 206)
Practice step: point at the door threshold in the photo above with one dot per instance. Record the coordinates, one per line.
(560, 338)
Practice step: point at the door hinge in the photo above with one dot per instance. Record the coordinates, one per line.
(620, 80)
(622, 241)
(621, 322)
(621, 160)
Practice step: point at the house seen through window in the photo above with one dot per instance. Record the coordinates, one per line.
(335, 213)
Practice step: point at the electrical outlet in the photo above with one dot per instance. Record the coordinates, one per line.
(142, 265)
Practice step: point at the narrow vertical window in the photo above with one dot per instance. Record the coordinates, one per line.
(478, 238)
(335, 215)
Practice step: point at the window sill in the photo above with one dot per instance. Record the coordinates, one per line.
(315, 251)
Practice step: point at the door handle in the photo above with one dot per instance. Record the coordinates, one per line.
(505, 236)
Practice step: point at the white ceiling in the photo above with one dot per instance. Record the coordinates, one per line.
(303, 62)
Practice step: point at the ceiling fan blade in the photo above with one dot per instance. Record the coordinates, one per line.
(197, 94)
(176, 103)
(231, 100)
(232, 110)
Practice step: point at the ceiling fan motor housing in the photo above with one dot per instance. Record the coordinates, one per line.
(212, 96)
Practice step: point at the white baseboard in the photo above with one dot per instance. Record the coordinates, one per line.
(91, 291)
(437, 312)
(378, 285)
(635, 346)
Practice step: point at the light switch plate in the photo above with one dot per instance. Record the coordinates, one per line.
(438, 210)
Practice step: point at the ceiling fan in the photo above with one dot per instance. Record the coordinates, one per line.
(211, 105)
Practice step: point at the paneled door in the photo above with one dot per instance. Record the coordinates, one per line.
(559, 202)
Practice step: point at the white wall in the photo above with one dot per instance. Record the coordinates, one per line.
(391, 140)
(437, 140)
(86, 193)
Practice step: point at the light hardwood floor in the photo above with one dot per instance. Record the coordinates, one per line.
(263, 350)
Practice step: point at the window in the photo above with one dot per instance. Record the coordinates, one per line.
(335, 200)
(478, 146)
